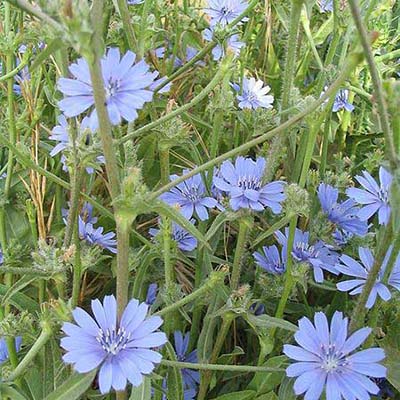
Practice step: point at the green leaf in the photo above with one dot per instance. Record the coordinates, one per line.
(267, 322)
(243, 395)
(392, 362)
(73, 388)
(142, 392)
(286, 391)
(174, 378)
(54, 45)
(8, 392)
(268, 396)
(266, 382)
(17, 287)
(164, 209)
(20, 301)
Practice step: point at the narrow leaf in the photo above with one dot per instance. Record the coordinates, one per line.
(142, 392)
(243, 395)
(73, 388)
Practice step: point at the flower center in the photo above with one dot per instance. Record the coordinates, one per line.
(249, 182)
(192, 193)
(113, 341)
(331, 358)
(112, 88)
(303, 251)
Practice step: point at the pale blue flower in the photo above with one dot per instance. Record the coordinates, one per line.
(270, 260)
(341, 101)
(151, 294)
(126, 86)
(326, 361)
(191, 378)
(344, 214)
(350, 267)
(374, 197)
(184, 240)
(243, 182)
(121, 349)
(223, 12)
(232, 43)
(95, 236)
(253, 94)
(134, 2)
(190, 196)
(318, 255)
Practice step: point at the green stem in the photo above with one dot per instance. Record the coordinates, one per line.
(78, 174)
(240, 251)
(221, 337)
(353, 60)
(15, 71)
(219, 367)
(377, 84)
(127, 24)
(216, 278)
(143, 28)
(289, 279)
(32, 353)
(359, 312)
(225, 65)
(77, 270)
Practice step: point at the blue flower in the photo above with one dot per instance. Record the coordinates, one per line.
(190, 196)
(60, 135)
(232, 43)
(191, 52)
(1, 257)
(243, 182)
(325, 5)
(345, 214)
(351, 267)
(184, 240)
(126, 87)
(270, 260)
(120, 348)
(374, 197)
(254, 95)
(3, 348)
(325, 360)
(341, 101)
(95, 236)
(190, 377)
(318, 256)
(257, 308)
(133, 2)
(223, 12)
(151, 294)
(341, 237)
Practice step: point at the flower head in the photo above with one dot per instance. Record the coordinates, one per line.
(341, 101)
(95, 236)
(374, 197)
(326, 360)
(184, 240)
(190, 196)
(345, 214)
(341, 237)
(318, 256)
(122, 349)
(151, 294)
(133, 2)
(223, 12)
(270, 260)
(60, 134)
(232, 43)
(1, 256)
(254, 95)
(243, 183)
(349, 266)
(191, 378)
(126, 87)
(4, 350)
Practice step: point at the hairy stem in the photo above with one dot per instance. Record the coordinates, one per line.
(377, 84)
